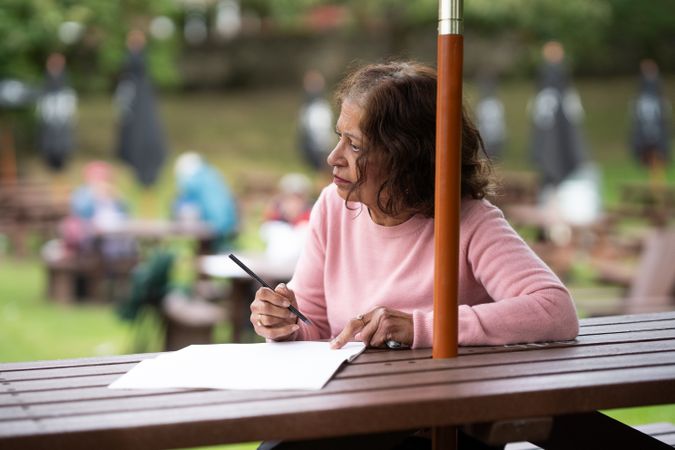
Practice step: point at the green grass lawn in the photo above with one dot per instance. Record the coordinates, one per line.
(33, 328)
(250, 136)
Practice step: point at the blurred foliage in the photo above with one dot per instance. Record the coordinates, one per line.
(30, 30)
(603, 36)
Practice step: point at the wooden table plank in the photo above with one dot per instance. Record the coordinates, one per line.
(616, 362)
(372, 411)
(567, 351)
(75, 362)
(628, 318)
(59, 383)
(429, 375)
(85, 393)
(422, 378)
(627, 327)
(67, 378)
(481, 359)
(67, 372)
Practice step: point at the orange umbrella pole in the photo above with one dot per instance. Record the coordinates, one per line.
(448, 165)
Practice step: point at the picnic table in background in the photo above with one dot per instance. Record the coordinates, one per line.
(243, 286)
(547, 393)
(648, 279)
(158, 230)
(95, 270)
(647, 201)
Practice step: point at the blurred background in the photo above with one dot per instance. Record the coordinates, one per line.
(100, 101)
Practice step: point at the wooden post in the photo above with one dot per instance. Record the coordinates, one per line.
(448, 165)
(448, 190)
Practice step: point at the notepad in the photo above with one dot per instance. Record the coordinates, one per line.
(268, 366)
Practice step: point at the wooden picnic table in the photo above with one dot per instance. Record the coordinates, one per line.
(161, 229)
(518, 390)
(97, 270)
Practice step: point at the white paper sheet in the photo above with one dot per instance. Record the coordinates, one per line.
(274, 365)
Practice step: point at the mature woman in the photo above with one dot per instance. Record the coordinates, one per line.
(367, 270)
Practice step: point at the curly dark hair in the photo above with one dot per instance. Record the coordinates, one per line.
(398, 100)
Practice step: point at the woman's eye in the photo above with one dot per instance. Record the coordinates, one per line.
(355, 148)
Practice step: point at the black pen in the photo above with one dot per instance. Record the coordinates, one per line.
(293, 309)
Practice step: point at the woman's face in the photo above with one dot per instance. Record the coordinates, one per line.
(346, 152)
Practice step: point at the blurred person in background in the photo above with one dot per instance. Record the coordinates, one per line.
(97, 206)
(203, 195)
(56, 112)
(284, 229)
(557, 145)
(490, 118)
(293, 203)
(141, 142)
(650, 114)
(316, 133)
(569, 181)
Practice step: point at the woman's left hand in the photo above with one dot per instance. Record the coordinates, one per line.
(377, 327)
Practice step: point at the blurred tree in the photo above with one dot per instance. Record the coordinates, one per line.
(89, 32)
(602, 36)
(643, 29)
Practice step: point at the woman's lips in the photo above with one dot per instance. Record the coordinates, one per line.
(340, 181)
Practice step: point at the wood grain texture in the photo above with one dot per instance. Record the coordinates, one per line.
(618, 361)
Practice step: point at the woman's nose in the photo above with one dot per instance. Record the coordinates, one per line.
(334, 156)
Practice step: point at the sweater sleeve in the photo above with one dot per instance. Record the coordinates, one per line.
(530, 303)
(308, 279)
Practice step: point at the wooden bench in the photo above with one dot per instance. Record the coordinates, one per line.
(87, 278)
(646, 201)
(651, 283)
(189, 321)
(516, 188)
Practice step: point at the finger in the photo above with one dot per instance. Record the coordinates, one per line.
(283, 332)
(268, 295)
(287, 292)
(393, 326)
(269, 321)
(383, 333)
(268, 302)
(366, 334)
(275, 311)
(284, 290)
(353, 326)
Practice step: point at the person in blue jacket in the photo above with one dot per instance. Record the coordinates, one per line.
(203, 195)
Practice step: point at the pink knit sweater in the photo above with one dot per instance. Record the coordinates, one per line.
(351, 265)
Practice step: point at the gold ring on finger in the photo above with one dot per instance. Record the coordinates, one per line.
(360, 317)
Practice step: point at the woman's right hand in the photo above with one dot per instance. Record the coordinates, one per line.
(270, 315)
